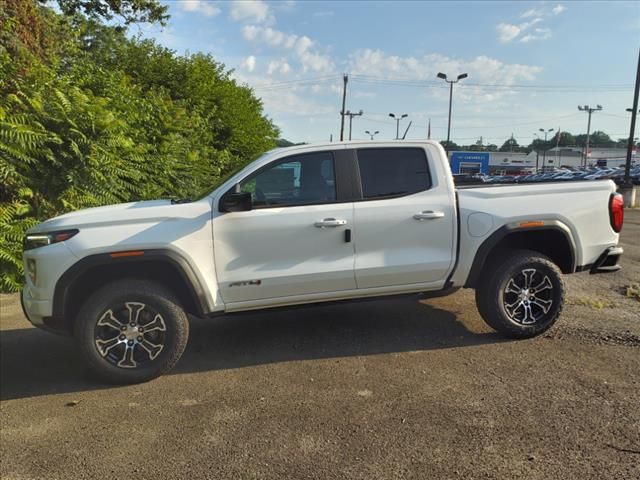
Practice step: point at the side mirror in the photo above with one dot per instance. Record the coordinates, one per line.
(235, 202)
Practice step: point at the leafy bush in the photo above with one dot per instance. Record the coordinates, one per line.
(90, 117)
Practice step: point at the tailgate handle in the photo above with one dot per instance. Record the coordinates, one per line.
(428, 215)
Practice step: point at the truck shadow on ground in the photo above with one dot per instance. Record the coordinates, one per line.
(33, 362)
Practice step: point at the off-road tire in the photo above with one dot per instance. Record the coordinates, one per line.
(493, 283)
(123, 298)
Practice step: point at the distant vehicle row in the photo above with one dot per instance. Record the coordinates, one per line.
(561, 175)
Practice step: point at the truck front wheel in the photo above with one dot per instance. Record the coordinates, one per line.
(521, 295)
(131, 331)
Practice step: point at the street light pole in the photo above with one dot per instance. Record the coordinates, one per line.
(589, 110)
(450, 82)
(544, 148)
(537, 152)
(632, 128)
(371, 134)
(397, 118)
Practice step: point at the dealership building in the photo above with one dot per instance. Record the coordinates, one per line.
(512, 163)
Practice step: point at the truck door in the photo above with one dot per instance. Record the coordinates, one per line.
(405, 222)
(296, 240)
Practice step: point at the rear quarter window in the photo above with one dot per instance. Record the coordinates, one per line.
(393, 172)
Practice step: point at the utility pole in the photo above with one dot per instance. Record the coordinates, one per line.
(351, 115)
(345, 79)
(450, 82)
(589, 110)
(397, 118)
(632, 130)
(544, 148)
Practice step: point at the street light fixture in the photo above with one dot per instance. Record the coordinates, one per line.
(589, 110)
(397, 119)
(371, 134)
(544, 148)
(450, 82)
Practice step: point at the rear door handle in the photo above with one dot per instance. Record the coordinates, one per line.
(428, 215)
(330, 223)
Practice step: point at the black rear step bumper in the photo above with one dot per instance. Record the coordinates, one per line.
(608, 261)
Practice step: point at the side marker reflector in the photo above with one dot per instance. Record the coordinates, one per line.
(133, 253)
(537, 223)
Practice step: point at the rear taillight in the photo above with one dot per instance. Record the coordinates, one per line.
(616, 211)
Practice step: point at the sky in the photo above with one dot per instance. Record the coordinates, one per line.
(529, 64)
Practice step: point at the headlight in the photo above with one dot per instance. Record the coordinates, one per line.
(36, 240)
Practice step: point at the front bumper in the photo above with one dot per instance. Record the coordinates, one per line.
(37, 312)
(608, 261)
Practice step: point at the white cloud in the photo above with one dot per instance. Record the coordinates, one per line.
(507, 32)
(208, 9)
(558, 9)
(481, 70)
(302, 47)
(249, 63)
(280, 66)
(538, 34)
(326, 13)
(533, 12)
(256, 11)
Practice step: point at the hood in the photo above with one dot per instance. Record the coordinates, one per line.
(134, 212)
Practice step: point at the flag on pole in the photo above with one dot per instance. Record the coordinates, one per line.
(429, 130)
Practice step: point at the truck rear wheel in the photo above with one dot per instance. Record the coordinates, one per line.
(131, 331)
(521, 295)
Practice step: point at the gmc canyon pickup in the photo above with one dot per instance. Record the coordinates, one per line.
(308, 224)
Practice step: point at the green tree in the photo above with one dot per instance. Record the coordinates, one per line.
(596, 139)
(510, 145)
(89, 116)
(129, 11)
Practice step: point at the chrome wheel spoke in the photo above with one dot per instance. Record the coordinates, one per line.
(513, 308)
(108, 319)
(512, 287)
(151, 348)
(528, 276)
(105, 346)
(545, 305)
(134, 311)
(528, 314)
(543, 285)
(156, 324)
(127, 360)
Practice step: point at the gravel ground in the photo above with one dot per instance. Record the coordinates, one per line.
(385, 389)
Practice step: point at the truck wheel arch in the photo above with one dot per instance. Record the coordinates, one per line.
(553, 239)
(160, 265)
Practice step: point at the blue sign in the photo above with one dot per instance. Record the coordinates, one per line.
(470, 162)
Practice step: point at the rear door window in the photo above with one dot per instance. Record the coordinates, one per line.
(392, 172)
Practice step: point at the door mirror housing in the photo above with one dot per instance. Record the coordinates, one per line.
(235, 202)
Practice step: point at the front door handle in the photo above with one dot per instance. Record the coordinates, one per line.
(330, 223)
(428, 215)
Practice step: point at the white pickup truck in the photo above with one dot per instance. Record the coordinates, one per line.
(308, 224)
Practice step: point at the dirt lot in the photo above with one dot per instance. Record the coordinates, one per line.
(387, 389)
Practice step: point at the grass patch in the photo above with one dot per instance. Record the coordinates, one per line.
(632, 291)
(592, 303)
